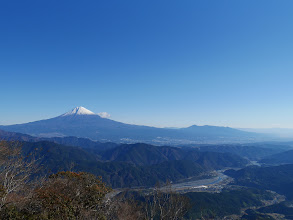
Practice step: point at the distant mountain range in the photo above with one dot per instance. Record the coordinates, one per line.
(83, 123)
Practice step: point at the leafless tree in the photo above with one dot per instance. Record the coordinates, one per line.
(15, 172)
(164, 203)
(122, 207)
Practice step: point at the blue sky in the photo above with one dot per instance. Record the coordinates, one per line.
(153, 62)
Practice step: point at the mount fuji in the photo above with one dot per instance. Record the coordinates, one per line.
(81, 122)
(79, 111)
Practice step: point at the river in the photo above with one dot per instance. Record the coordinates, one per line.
(197, 184)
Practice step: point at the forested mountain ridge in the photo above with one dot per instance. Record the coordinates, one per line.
(145, 154)
(280, 158)
(253, 151)
(68, 141)
(276, 178)
(56, 157)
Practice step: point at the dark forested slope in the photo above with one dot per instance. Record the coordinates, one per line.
(56, 157)
(276, 178)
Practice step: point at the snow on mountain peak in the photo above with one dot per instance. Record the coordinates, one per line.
(79, 111)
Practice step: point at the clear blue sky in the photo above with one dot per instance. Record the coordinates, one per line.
(153, 62)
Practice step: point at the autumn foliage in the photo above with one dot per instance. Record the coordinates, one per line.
(71, 195)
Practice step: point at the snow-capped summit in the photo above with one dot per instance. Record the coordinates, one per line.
(79, 111)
